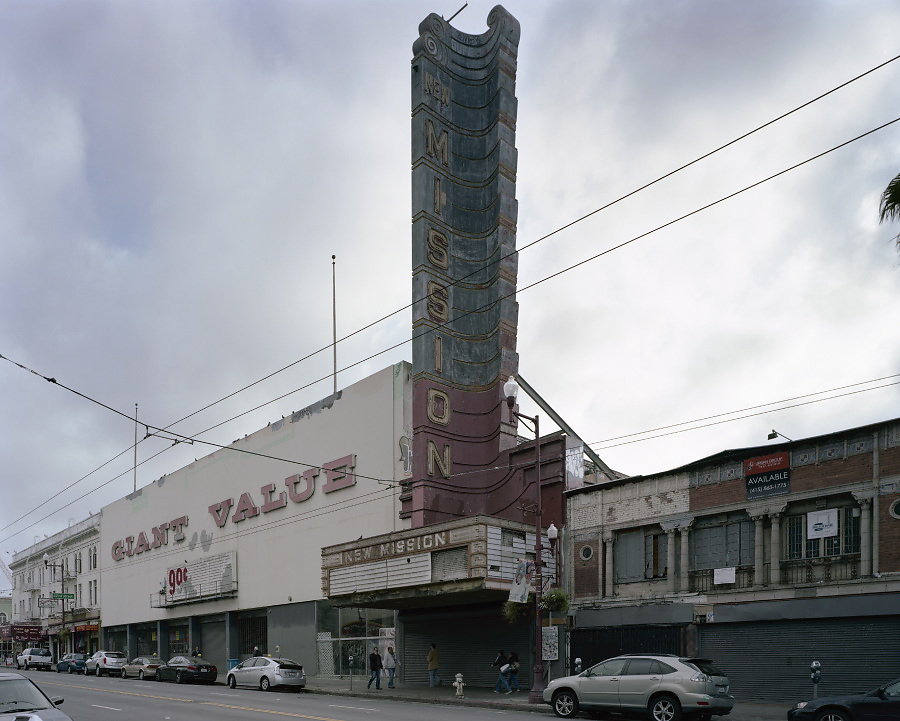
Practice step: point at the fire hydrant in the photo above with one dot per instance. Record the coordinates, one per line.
(458, 685)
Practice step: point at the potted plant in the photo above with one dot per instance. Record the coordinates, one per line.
(555, 601)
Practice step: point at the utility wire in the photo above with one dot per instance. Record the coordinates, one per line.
(535, 242)
(558, 230)
(488, 305)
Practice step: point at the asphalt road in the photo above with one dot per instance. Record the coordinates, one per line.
(114, 699)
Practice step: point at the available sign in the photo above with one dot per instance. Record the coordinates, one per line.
(768, 475)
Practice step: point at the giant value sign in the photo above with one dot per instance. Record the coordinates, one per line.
(768, 475)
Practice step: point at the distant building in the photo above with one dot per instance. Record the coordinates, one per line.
(72, 571)
(763, 559)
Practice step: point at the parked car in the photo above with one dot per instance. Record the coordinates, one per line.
(879, 705)
(20, 697)
(71, 663)
(661, 687)
(187, 668)
(105, 662)
(35, 658)
(263, 673)
(142, 667)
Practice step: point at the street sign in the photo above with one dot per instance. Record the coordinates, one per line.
(47, 602)
(67, 596)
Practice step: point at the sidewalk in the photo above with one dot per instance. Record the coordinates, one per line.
(486, 698)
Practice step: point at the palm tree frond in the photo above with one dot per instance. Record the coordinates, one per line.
(889, 208)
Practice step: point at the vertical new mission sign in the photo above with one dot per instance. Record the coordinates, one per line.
(464, 214)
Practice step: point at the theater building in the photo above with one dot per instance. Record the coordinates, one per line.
(224, 554)
(763, 559)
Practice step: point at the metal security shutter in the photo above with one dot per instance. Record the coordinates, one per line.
(770, 661)
(467, 641)
(593, 645)
(212, 642)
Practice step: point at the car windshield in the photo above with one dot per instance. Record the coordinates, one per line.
(287, 663)
(42, 652)
(194, 660)
(704, 665)
(114, 654)
(19, 694)
(77, 656)
(153, 660)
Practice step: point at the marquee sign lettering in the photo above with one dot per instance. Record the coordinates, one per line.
(298, 488)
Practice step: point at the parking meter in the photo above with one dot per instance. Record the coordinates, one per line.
(815, 673)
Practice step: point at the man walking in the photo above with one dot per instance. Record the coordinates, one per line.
(501, 663)
(390, 664)
(375, 667)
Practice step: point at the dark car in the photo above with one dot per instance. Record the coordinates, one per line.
(882, 704)
(181, 669)
(21, 698)
(71, 663)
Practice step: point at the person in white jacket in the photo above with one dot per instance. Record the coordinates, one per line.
(390, 664)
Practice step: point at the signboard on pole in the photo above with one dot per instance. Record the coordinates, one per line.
(66, 596)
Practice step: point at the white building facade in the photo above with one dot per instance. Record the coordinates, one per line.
(65, 564)
(224, 555)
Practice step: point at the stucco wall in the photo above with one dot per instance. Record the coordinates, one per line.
(277, 552)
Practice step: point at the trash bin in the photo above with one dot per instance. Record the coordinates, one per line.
(232, 662)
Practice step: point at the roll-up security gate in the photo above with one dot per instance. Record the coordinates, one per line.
(467, 641)
(769, 661)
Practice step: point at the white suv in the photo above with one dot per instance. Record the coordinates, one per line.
(660, 687)
(105, 662)
(35, 658)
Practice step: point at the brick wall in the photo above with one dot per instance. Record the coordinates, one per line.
(586, 574)
(890, 461)
(713, 495)
(889, 535)
(853, 469)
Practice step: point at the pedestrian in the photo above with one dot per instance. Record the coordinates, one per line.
(374, 669)
(513, 671)
(256, 650)
(501, 663)
(196, 652)
(390, 664)
(434, 665)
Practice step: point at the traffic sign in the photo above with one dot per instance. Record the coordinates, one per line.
(67, 596)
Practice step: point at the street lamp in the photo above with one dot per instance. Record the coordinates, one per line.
(535, 695)
(62, 599)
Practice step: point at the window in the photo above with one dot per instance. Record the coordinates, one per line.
(722, 542)
(845, 541)
(640, 554)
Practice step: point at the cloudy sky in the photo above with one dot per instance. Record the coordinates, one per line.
(175, 176)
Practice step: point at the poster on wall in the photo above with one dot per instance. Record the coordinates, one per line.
(521, 585)
(822, 524)
(768, 475)
(550, 643)
(201, 578)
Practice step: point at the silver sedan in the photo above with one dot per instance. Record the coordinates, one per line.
(264, 672)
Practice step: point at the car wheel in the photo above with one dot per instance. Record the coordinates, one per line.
(833, 715)
(565, 704)
(158, 675)
(264, 683)
(231, 682)
(141, 675)
(665, 708)
(178, 677)
(70, 670)
(58, 669)
(124, 674)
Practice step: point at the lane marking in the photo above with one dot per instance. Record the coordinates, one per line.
(268, 711)
(121, 693)
(109, 708)
(354, 708)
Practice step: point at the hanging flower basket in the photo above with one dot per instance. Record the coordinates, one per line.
(517, 612)
(555, 601)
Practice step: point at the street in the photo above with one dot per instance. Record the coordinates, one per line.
(114, 699)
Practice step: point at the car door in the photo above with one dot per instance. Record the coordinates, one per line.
(257, 671)
(639, 679)
(600, 686)
(241, 672)
(883, 707)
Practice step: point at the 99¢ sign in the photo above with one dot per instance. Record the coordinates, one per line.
(177, 577)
